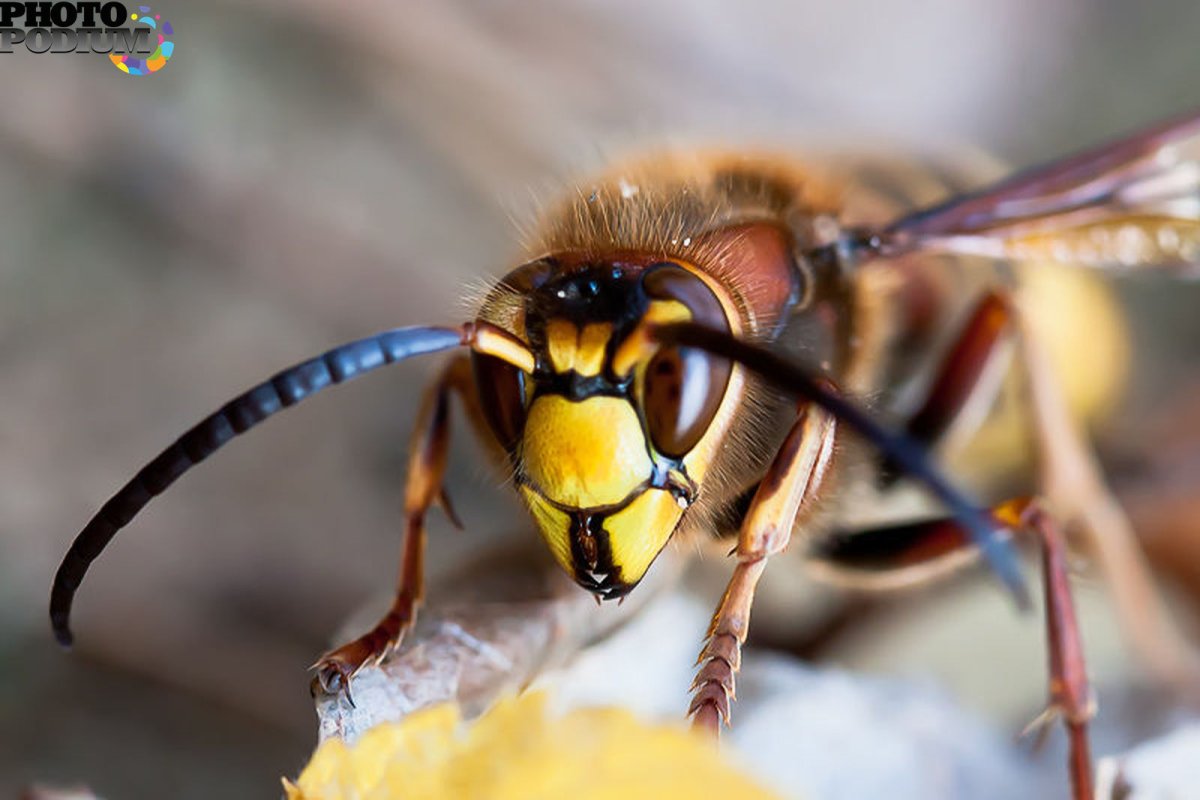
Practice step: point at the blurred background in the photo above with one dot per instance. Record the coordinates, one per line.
(306, 172)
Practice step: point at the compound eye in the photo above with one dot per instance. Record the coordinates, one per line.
(683, 386)
(501, 388)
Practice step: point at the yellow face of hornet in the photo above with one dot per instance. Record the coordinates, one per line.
(609, 437)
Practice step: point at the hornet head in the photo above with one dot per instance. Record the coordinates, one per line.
(610, 435)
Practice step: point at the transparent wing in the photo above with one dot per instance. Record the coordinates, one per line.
(1131, 203)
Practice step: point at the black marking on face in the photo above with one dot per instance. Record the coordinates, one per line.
(576, 387)
(591, 555)
(586, 295)
(600, 293)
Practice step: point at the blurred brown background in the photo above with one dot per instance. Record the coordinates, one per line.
(302, 173)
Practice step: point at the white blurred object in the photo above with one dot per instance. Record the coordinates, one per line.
(807, 732)
(1167, 768)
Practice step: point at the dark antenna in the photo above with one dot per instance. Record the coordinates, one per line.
(905, 452)
(240, 414)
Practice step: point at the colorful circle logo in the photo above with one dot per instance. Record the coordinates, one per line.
(131, 63)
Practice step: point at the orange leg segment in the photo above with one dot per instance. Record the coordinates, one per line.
(423, 489)
(788, 488)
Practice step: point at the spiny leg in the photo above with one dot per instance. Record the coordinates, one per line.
(1071, 482)
(423, 489)
(1075, 489)
(1070, 696)
(912, 553)
(917, 552)
(1070, 479)
(793, 478)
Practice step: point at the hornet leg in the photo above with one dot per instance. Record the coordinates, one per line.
(1070, 696)
(966, 380)
(426, 468)
(794, 477)
(1070, 480)
(911, 553)
(1076, 491)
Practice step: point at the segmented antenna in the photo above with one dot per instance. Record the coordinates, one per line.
(240, 414)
